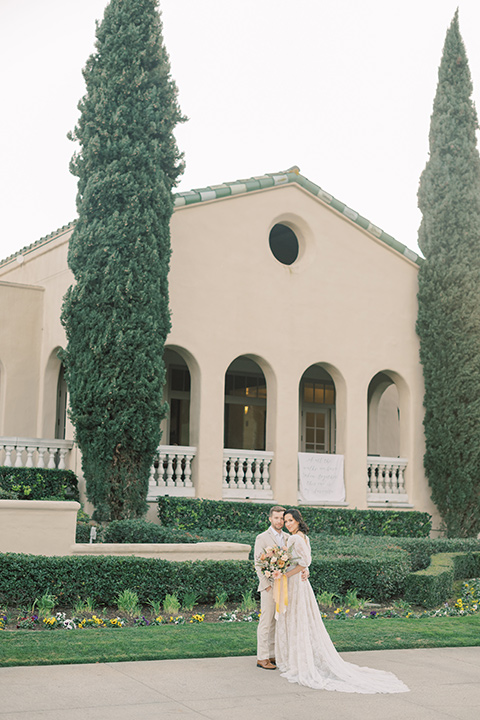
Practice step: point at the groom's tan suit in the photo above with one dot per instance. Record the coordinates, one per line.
(266, 625)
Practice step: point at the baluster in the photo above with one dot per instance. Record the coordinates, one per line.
(258, 475)
(187, 473)
(235, 475)
(179, 458)
(8, 455)
(161, 470)
(225, 471)
(151, 476)
(370, 477)
(41, 457)
(51, 458)
(266, 473)
(392, 479)
(61, 463)
(401, 479)
(382, 478)
(30, 451)
(376, 478)
(170, 482)
(18, 460)
(249, 474)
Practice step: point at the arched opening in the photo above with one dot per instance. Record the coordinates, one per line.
(385, 466)
(383, 417)
(245, 405)
(52, 410)
(178, 385)
(62, 403)
(317, 411)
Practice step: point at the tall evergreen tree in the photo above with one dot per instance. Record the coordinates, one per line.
(116, 316)
(449, 295)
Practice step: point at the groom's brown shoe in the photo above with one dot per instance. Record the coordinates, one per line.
(266, 665)
(272, 660)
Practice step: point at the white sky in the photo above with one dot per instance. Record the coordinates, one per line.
(342, 89)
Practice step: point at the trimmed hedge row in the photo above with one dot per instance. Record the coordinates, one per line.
(422, 549)
(191, 514)
(433, 585)
(24, 577)
(38, 484)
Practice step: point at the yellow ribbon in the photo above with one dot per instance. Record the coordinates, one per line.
(280, 595)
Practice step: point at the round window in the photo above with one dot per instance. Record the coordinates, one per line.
(283, 244)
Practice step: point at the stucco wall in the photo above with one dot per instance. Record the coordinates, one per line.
(348, 303)
(21, 320)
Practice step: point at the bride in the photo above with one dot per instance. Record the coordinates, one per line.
(304, 652)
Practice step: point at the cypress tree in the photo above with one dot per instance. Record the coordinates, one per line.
(116, 316)
(449, 295)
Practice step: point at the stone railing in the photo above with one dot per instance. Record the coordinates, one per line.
(23, 452)
(246, 474)
(386, 481)
(171, 474)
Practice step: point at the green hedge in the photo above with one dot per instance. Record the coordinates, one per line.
(192, 514)
(433, 585)
(140, 531)
(422, 549)
(39, 483)
(25, 577)
(376, 574)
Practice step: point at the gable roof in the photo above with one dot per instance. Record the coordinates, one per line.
(240, 187)
(292, 175)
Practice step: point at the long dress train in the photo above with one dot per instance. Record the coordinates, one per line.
(303, 650)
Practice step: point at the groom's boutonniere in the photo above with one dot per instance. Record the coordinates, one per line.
(274, 562)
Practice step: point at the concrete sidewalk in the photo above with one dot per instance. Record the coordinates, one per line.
(444, 683)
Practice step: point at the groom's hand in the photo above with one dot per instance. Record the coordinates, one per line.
(305, 573)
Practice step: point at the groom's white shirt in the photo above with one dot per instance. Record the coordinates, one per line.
(262, 541)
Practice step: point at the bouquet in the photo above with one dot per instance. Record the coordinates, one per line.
(274, 562)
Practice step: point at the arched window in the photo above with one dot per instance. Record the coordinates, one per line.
(317, 411)
(178, 397)
(383, 417)
(245, 406)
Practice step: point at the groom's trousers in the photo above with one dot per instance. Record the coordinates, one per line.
(266, 626)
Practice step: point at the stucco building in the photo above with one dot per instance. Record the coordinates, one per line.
(293, 331)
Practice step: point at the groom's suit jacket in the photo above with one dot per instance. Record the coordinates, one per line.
(262, 541)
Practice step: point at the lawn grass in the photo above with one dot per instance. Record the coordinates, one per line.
(24, 647)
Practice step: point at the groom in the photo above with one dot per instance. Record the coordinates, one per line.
(266, 625)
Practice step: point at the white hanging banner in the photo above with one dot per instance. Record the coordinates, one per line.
(321, 477)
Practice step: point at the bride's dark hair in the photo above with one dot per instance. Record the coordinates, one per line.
(297, 515)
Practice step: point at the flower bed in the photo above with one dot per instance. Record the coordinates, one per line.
(465, 602)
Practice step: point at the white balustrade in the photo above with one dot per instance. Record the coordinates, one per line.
(246, 474)
(22, 452)
(171, 474)
(386, 481)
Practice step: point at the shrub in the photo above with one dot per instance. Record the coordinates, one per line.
(39, 483)
(421, 549)
(102, 578)
(192, 514)
(140, 531)
(23, 577)
(433, 585)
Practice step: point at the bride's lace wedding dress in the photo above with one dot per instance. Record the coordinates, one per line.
(303, 650)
